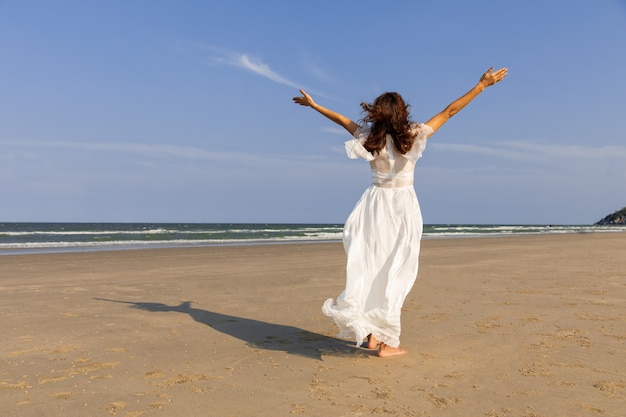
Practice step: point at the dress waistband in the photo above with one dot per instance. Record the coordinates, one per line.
(392, 184)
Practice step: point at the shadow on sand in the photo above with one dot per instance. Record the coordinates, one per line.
(258, 334)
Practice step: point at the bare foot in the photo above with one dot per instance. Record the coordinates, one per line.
(385, 351)
(372, 342)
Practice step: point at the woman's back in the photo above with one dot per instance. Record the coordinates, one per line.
(390, 168)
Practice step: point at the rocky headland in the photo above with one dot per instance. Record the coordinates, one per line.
(619, 217)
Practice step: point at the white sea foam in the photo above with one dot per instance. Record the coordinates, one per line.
(84, 232)
(29, 238)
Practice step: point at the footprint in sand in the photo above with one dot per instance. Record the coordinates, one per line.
(115, 407)
(611, 389)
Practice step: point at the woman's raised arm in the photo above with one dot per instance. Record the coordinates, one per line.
(488, 78)
(341, 120)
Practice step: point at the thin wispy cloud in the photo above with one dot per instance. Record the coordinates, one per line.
(255, 65)
(529, 151)
(246, 62)
(146, 150)
(491, 150)
(570, 151)
(31, 149)
(314, 68)
(513, 150)
(337, 131)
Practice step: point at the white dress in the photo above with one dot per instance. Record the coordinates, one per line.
(382, 242)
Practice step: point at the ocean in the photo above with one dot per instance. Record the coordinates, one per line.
(18, 238)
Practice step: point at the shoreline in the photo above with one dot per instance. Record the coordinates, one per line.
(498, 327)
(166, 245)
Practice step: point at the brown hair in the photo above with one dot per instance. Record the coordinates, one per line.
(388, 114)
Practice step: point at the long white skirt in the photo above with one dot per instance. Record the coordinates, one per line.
(382, 243)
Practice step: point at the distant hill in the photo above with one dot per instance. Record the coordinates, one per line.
(619, 217)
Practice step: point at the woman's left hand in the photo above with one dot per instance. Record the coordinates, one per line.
(305, 100)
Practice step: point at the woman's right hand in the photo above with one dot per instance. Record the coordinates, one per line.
(490, 77)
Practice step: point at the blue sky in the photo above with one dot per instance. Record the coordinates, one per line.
(181, 111)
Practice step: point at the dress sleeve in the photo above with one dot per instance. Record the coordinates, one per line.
(355, 148)
(421, 135)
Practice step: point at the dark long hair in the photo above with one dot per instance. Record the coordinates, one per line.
(388, 114)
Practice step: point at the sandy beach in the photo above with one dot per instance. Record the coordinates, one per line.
(516, 326)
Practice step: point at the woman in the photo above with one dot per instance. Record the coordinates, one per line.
(382, 234)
